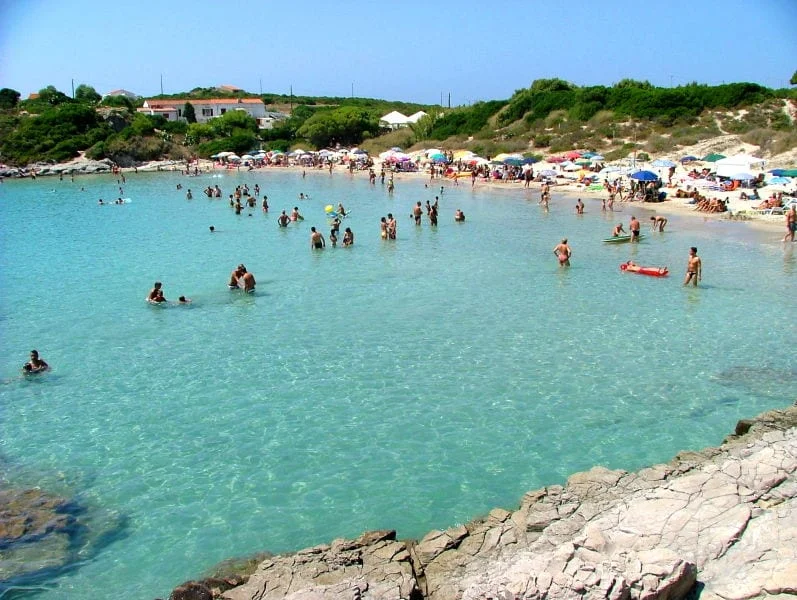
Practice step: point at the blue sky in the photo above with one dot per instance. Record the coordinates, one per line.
(404, 50)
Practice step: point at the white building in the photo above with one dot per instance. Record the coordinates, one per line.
(205, 110)
(414, 118)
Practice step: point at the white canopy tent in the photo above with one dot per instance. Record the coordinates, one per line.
(740, 163)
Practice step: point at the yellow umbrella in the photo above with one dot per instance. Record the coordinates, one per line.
(462, 154)
(501, 157)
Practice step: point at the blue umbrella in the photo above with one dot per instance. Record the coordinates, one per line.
(513, 162)
(775, 172)
(529, 161)
(588, 155)
(778, 180)
(645, 176)
(659, 162)
(690, 158)
(743, 176)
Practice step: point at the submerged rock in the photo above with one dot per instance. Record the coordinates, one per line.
(724, 518)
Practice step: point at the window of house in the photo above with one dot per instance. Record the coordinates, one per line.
(223, 110)
(207, 112)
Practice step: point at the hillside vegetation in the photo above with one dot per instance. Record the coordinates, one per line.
(551, 115)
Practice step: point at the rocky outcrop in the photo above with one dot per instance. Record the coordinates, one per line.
(35, 528)
(81, 165)
(724, 518)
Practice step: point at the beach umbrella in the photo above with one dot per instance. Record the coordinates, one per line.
(548, 173)
(234, 158)
(609, 169)
(588, 154)
(513, 162)
(432, 151)
(573, 154)
(660, 162)
(596, 158)
(529, 160)
(247, 157)
(556, 159)
(689, 158)
(786, 172)
(396, 149)
(743, 176)
(644, 176)
(779, 180)
(463, 154)
(583, 161)
(439, 158)
(713, 157)
(572, 167)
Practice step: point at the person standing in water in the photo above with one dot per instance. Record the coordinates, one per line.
(317, 241)
(694, 268)
(563, 253)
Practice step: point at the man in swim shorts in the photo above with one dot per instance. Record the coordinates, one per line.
(417, 212)
(634, 227)
(563, 253)
(694, 268)
(391, 226)
(35, 364)
(618, 229)
(317, 241)
(283, 219)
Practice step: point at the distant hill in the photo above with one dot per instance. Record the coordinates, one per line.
(550, 116)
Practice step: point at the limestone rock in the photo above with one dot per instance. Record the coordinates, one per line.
(727, 513)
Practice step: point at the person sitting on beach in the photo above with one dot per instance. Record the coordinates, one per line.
(459, 216)
(283, 219)
(618, 229)
(35, 364)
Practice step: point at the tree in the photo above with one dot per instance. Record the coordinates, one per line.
(793, 79)
(346, 125)
(9, 98)
(189, 113)
(50, 95)
(86, 93)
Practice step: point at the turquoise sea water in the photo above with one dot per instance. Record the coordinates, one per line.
(412, 384)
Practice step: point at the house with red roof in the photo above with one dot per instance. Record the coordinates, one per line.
(205, 110)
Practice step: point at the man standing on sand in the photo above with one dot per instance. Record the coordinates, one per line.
(634, 227)
(563, 253)
(694, 268)
(791, 223)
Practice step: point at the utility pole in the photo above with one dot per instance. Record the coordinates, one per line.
(161, 84)
(261, 86)
(73, 89)
(441, 98)
(449, 100)
(352, 90)
(291, 97)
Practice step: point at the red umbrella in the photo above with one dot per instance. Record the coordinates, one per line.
(556, 159)
(572, 155)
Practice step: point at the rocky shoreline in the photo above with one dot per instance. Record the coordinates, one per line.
(720, 523)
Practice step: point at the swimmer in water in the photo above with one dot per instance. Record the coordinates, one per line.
(156, 292)
(35, 364)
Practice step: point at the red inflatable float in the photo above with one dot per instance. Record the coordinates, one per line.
(631, 267)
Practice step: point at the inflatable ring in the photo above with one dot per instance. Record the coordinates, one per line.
(329, 208)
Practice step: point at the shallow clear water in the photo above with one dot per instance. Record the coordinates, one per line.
(408, 385)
